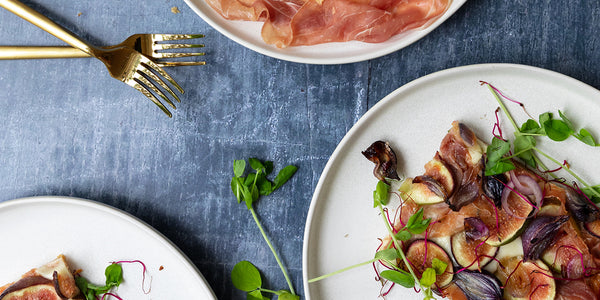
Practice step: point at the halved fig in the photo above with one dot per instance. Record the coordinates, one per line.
(511, 219)
(567, 247)
(472, 255)
(421, 253)
(422, 192)
(526, 279)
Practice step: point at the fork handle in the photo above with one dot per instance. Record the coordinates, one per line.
(41, 21)
(34, 52)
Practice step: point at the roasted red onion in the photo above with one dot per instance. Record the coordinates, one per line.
(493, 187)
(527, 188)
(582, 209)
(384, 157)
(475, 229)
(478, 286)
(539, 235)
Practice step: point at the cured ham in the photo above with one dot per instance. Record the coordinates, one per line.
(309, 22)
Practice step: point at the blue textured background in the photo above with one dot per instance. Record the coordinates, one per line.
(69, 129)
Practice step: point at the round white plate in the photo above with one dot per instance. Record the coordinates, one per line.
(92, 235)
(248, 35)
(342, 226)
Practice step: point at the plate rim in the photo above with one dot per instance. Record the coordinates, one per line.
(272, 51)
(105, 208)
(381, 104)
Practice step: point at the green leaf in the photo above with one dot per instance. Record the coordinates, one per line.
(497, 149)
(419, 227)
(439, 266)
(543, 119)
(531, 126)
(82, 284)
(286, 295)
(403, 235)
(428, 277)
(523, 145)
(245, 276)
(380, 195)
(268, 167)
(256, 164)
(586, 137)
(237, 186)
(499, 167)
(416, 218)
(400, 277)
(389, 255)
(255, 295)
(114, 275)
(557, 130)
(283, 176)
(566, 120)
(239, 166)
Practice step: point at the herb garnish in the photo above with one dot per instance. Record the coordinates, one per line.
(499, 155)
(114, 277)
(244, 275)
(415, 225)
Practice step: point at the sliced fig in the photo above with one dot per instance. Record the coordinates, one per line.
(420, 192)
(421, 253)
(526, 279)
(472, 255)
(567, 247)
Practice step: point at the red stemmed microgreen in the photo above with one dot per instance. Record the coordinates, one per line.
(248, 189)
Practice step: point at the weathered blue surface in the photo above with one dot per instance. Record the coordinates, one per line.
(69, 129)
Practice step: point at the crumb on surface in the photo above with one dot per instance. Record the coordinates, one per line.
(175, 10)
(161, 268)
(79, 14)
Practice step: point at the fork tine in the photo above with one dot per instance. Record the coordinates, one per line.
(173, 37)
(152, 65)
(155, 78)
(180, 63)
(149, 84)
(160, 55)
(177, 46)
(136, 85)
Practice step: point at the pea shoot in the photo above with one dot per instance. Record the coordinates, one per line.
(416, 224)
(499, 154)
(245, 276)
(114, 278)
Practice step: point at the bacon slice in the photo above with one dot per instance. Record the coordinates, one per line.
(310, 22)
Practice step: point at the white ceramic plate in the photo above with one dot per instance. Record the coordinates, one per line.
(342, 226)
(248, 35)
(35, 230)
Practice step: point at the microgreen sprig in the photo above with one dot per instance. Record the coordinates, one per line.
(114, 278)
(389, 257)
(248, 189)
(499, 155)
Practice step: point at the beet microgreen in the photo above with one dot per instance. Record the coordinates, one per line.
(499, 156)
(248, 189)
(114, 277)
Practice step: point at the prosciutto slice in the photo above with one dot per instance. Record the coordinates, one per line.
(309, 22)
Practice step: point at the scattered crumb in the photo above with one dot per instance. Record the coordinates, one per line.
(175, 10)
(161, 268)
(346, 235)
(77, 272)
(79, 14)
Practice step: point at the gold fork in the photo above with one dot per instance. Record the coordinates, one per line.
(147, 44)
(123, 63)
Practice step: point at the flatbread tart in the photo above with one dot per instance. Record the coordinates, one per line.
(52, 281)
